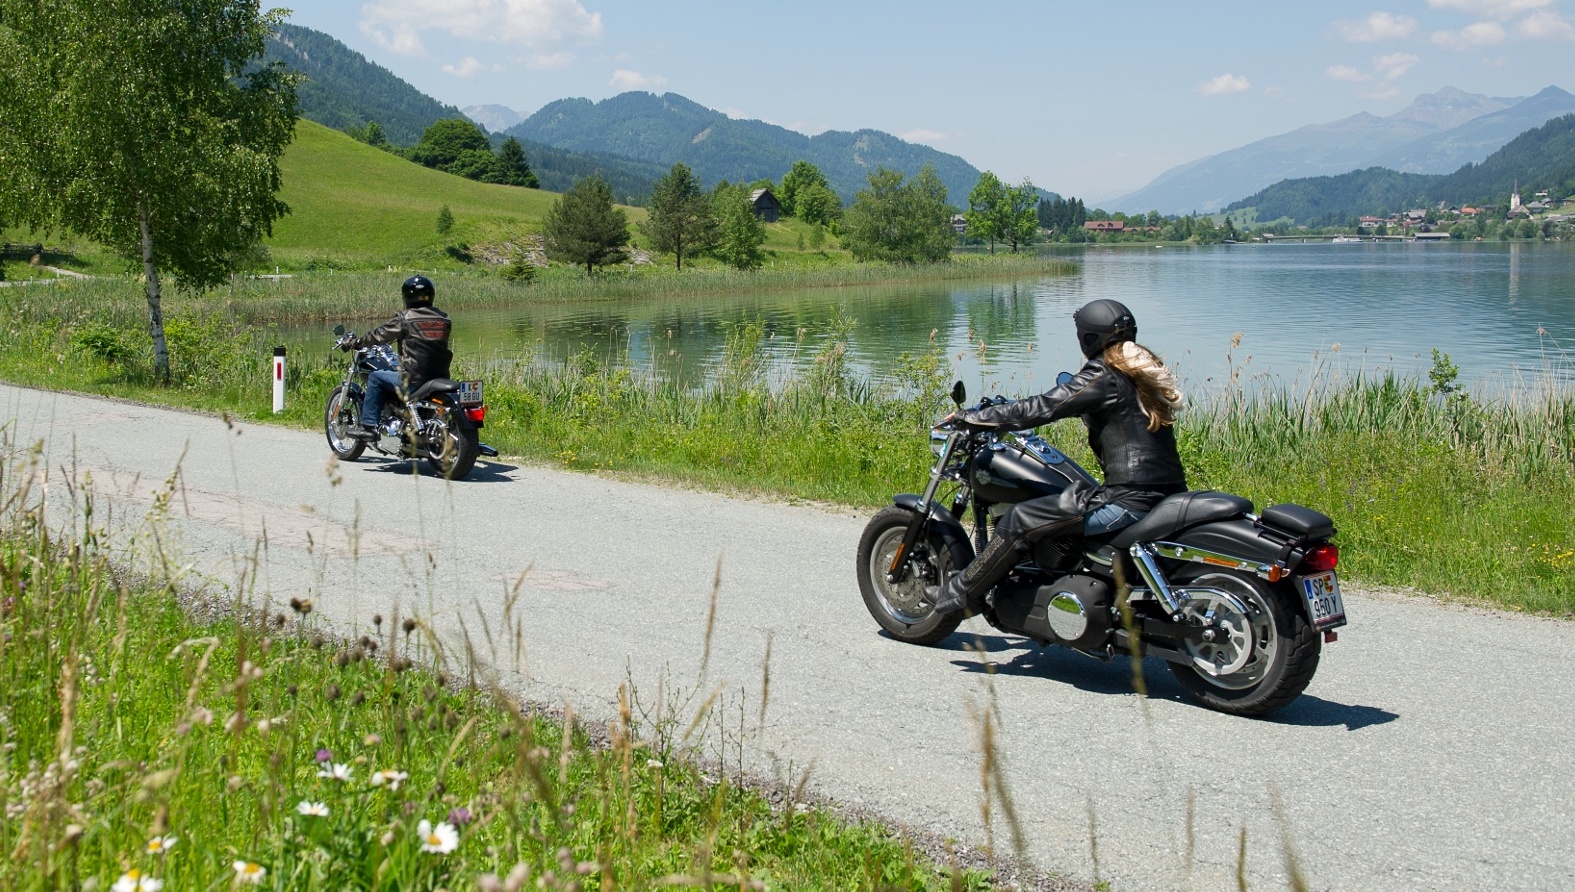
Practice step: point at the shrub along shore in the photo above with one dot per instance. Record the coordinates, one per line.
(1431, 487)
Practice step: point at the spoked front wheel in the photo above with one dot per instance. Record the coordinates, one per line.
(904, 608)
(340, 418)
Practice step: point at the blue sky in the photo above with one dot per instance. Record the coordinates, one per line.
(1086, 99)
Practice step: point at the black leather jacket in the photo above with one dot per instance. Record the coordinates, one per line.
(422, 333)
(1107, 401)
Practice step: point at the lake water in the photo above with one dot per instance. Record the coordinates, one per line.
(1503, 311)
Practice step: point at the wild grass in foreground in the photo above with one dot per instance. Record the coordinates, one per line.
(1434, 488)
(142, 749)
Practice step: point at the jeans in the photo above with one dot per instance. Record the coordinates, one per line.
(379, 385)
(1107, 518)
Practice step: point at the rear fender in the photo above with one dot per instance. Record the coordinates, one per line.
(942, 521)
(1270, 553)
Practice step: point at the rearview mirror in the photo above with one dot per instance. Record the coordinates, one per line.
(959, 394)
(1063, 379)
(339, 330)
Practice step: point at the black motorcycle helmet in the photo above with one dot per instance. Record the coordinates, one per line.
(418, 291)
(1101, 323)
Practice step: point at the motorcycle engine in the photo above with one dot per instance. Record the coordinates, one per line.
(1074, 610)
(1057, 553)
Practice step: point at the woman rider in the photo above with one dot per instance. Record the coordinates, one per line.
(1128, 399)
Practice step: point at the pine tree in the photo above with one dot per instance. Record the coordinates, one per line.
(445, 220)
(583, 227)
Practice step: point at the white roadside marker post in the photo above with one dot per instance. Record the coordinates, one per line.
(278, 380)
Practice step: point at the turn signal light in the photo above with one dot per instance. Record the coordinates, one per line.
(477, 414)
(1321, 558)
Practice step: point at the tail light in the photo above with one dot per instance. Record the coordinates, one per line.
(477, 414)
(1321, 558)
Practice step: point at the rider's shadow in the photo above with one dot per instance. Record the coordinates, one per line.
(1061, 665)
(483, 472)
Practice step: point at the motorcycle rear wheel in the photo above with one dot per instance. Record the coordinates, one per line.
(1263, 660)
(340, 418)
(903, 608)
(455, 450)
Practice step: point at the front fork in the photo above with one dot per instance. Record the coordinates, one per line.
(898, 570)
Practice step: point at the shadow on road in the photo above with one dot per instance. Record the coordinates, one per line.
(1059, 664)
(484, 471)
(1315, 712)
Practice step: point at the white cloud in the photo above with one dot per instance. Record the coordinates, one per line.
(1545, 24)
(1392, 66)
(1223, 85)
(466, 67)
(1378, 26)
(397, 24)
(922, 134)
(1346, 73)
(1493, 9)
(549, 61)
(624, 79)
(1471, 36)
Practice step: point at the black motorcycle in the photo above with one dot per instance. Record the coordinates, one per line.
(1238, 604)
(439, 422)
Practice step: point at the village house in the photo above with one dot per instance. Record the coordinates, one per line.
(1105, 226)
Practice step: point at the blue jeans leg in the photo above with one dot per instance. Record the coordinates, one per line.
(1107, 518)
(379, 385)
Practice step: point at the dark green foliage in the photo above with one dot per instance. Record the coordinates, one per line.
(682, 219)
(664, 129)
(446, 140)
(1064, 217)
(739, 233)
(164, 135)
(513, 166)
(900, 222)
(1544, 157)
(345, 91)
(583, 227)
(445, 219)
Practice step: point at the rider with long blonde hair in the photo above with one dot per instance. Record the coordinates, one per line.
(1128, 399)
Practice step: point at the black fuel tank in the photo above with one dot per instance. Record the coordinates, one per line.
(1019, 469)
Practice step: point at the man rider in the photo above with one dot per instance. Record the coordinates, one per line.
(422, 331)
(1128, 399)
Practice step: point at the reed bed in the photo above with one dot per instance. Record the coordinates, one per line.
(143, 747)
(335, 296)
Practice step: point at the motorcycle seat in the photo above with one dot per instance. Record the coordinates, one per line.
(1180, 511)
(434, 387)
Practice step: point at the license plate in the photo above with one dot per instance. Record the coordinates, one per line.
(470, 393)
(1323, 596)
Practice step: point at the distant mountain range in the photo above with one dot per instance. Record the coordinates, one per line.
(1435, 134)
(1540, 158)
(668, 128)
(496, 118)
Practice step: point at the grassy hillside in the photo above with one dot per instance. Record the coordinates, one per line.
(353, 205)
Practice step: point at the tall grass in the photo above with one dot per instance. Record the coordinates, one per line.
(144, 748)
(1432, 487)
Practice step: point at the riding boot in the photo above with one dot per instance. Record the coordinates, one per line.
(966, 590)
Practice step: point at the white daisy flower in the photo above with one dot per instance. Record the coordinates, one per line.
(313, 809)
(133, 881)
(439, 840)
(249, 872)
(338, 771)
(159, 845)
(389, 777)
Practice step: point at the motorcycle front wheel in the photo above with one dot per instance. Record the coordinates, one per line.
(904, 609)
(1262, 657)
(453, 451)
(340, 418)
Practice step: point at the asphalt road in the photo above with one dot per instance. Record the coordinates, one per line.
(1432, 751)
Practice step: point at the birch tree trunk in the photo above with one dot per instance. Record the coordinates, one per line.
(161, 352)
